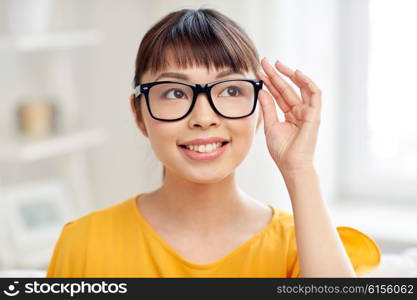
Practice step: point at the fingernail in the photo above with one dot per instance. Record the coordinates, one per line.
(266, 60)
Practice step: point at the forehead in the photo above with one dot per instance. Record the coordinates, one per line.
(198, 73)
(192, 70)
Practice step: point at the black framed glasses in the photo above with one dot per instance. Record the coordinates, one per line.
(173, 101)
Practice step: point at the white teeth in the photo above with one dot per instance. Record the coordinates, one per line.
(204, 148)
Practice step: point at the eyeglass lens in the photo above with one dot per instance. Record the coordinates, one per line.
(173, 100)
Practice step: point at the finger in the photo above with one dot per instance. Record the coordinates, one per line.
(313, 89)
(305, 91)
(288, 114)
(288, 93)
(290, 73)
(280, 100)
(268, 109)
(295, 78)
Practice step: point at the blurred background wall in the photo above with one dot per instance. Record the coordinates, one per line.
(72, 62)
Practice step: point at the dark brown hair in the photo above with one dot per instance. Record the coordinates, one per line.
(202, 37)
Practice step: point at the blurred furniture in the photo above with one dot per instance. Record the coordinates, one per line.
(69, 150)
(45, 64)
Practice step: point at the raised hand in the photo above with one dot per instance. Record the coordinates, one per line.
(292, 142)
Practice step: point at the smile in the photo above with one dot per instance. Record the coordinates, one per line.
(204, 152)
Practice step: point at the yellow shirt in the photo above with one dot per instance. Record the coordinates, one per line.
(117, 241)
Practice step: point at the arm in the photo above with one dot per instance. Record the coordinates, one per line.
(320, 250)
(292, 145)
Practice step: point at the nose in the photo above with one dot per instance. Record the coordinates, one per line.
(202, 114)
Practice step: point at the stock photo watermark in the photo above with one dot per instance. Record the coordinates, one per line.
(16, 288)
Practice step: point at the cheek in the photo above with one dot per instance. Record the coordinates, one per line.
(242, 133)
(163, 139)
(162, 136)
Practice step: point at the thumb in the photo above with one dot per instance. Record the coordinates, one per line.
(269, 111)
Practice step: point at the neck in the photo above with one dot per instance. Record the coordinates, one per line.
(201, 206)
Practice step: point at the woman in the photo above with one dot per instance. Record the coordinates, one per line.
(197, 81)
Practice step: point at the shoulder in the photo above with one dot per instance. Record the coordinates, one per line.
(283, 220)
(81, 237)
(283, 229)
(93, 227)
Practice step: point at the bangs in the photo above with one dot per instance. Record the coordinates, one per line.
(196, 38)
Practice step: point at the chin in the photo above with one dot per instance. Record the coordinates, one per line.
(208, 177)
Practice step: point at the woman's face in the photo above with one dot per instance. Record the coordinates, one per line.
(202, 122)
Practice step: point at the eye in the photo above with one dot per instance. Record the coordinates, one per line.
(175, 94)
(232, 91)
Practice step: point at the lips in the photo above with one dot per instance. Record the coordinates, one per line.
(204, 156)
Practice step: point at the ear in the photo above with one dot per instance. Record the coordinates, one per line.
(137, 114)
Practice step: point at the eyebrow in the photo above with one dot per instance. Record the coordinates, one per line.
(185, 77)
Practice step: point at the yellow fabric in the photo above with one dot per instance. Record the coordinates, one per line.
(117, 241)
